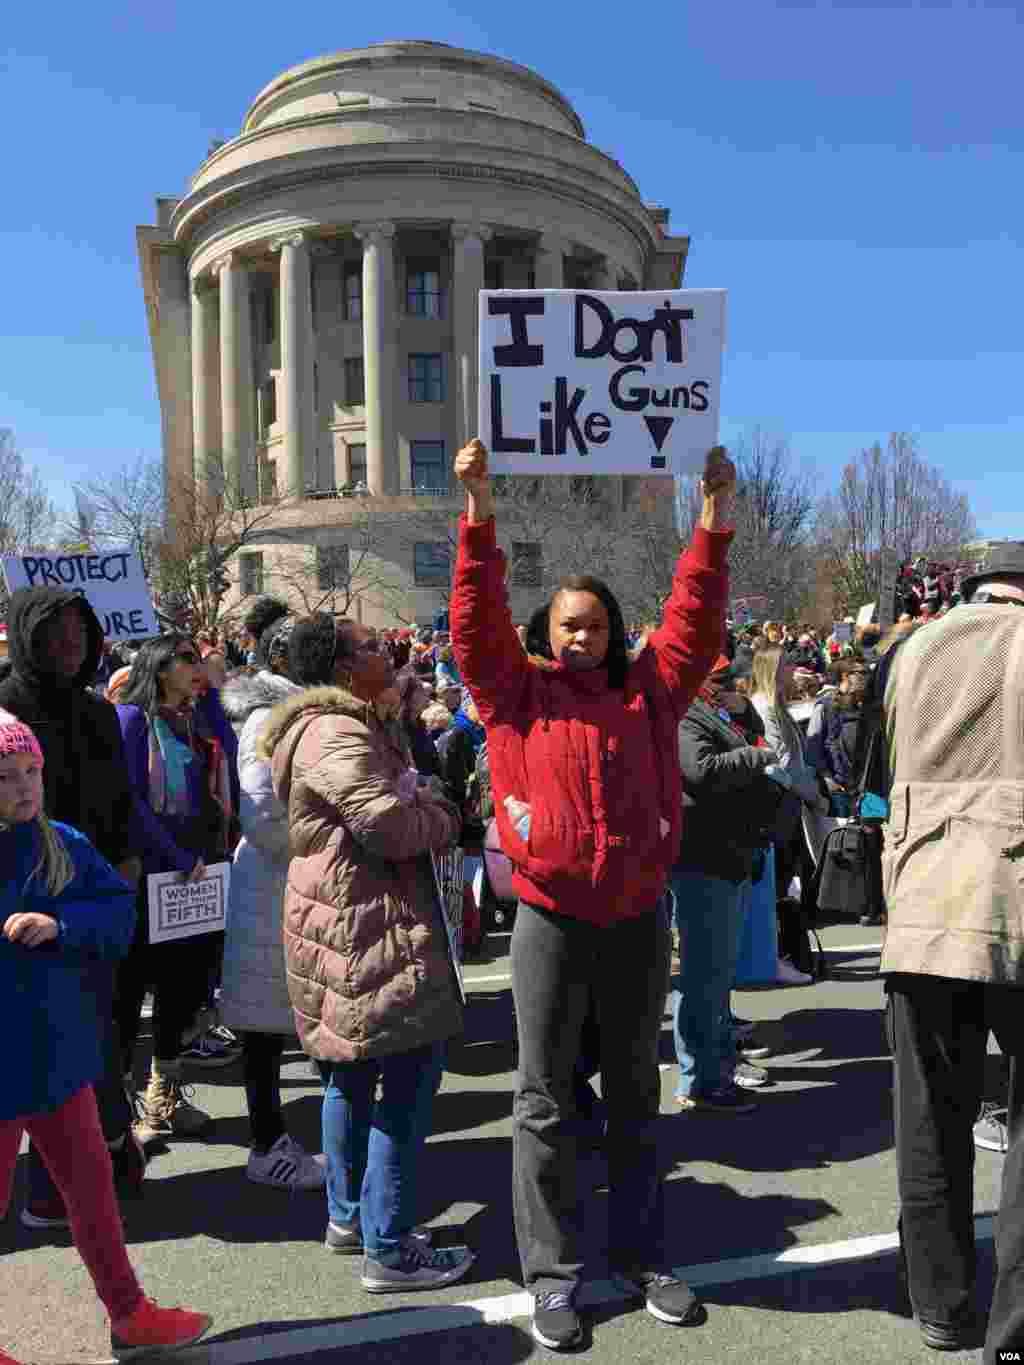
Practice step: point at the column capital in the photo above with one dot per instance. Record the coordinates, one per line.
(202, 284)
(461, 231)
(299, 238)
(374, 233)
(225, 262)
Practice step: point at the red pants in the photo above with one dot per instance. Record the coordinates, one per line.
(71, 1143)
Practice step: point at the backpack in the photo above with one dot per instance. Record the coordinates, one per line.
(798, 939)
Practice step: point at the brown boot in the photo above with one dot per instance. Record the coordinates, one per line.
(166, 1110)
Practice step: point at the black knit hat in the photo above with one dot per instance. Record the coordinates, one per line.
(312, 648)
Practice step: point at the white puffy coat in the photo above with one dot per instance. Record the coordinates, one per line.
(254, 993)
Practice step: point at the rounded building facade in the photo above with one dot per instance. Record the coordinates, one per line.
(312, 298)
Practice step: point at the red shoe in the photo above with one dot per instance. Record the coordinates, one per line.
(7, 1360)
(152, 1328)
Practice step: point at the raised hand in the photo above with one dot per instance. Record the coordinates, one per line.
(471, 472)
(718, 488)
(471, 465)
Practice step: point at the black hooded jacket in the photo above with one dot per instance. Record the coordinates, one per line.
(85, 776)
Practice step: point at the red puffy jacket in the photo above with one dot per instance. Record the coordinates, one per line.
(598, 767)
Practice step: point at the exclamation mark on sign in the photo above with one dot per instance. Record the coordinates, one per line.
(659, 427)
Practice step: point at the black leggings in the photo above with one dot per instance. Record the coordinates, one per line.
(179, 976)
(261, 1060)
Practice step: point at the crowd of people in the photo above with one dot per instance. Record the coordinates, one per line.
(646, 782)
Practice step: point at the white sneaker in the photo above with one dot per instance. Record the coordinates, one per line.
(287, 1166)
(787, 975)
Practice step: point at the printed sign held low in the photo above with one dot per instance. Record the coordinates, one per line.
(181, 909)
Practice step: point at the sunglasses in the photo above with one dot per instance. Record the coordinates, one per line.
(188, 657)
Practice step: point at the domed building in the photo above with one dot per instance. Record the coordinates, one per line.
(312, 302)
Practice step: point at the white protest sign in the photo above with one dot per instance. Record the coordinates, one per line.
(612, 382)
(111, 581)
(866, 614)
(181, 909)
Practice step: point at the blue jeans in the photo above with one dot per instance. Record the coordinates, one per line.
(709, 916)
(373, 1145)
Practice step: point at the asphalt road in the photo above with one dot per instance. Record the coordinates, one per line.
(785, 1220)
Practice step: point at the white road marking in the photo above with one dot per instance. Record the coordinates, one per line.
(500, 1308)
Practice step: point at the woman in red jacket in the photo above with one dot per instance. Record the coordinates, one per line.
(587, 789)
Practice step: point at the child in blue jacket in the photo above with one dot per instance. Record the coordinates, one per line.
(62, 905)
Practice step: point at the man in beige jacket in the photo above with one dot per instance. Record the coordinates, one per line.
(954, 951)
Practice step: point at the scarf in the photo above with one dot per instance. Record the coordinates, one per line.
(171, 756)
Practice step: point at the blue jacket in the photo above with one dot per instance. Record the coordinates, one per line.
(47, 1012)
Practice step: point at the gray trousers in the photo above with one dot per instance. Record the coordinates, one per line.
(557, 962)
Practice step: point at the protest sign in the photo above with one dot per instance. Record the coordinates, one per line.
(448, 874)
(111, 581)
(866, 614)
(574, 382)
(180, 909)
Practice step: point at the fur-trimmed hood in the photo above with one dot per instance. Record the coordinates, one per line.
(244, 693)
(327, 700)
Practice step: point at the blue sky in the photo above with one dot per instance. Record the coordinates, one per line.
(850, 173)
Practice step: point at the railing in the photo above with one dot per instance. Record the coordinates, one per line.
(358, 490)
(426, 492)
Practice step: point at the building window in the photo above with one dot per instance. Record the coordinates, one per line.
(484, 108)
(353, 293)
(494, 274)
(267, 473)
(269, 320)
(419, 99)
(431, 564)
(332, 567)
(355, 381)
(526, 564)
(357, 464)
(426, 379)
(423, 296)
(266, 406)
(250, 573)
(429, 471)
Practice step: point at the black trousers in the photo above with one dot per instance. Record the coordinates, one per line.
(179, 976)
(558, 965)
(261, 1063)
(939, 1034)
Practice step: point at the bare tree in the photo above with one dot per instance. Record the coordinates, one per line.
(208, 522)
(27, 515)
(889, 501)
(335, 577)
(126, 509)
(775, 519)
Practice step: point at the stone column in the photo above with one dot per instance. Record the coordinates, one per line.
(549, 267)
(237, 399)
(206, 427)
(298, 460)
(379, 354)
(467, 281)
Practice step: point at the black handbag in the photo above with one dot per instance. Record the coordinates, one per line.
(844, 872)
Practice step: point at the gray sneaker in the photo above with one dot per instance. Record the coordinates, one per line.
(750, 1077)
(421, 1267)
(345, 1241)
(990, 1129)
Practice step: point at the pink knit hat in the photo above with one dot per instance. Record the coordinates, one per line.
(17, 738)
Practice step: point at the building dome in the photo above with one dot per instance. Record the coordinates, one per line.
(312, 297)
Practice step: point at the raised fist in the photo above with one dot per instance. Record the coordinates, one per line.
(471, 465)
(719, 478)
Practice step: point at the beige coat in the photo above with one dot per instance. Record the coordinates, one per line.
(365, 953)
(954, 845)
